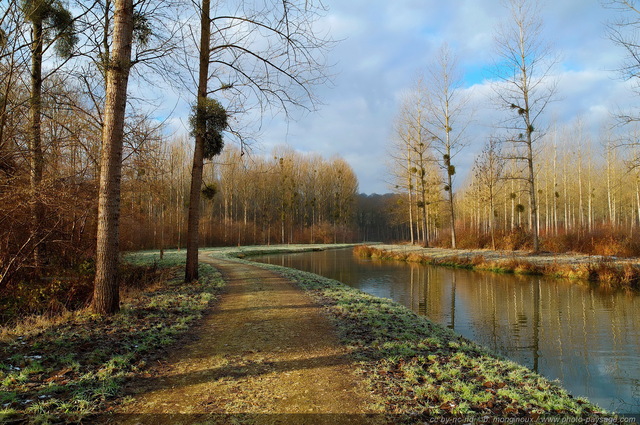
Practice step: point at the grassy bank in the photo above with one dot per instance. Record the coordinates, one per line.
(74, 364)
(77, 364)
(250, 250)
(70, 366)
(604, 270)
(419, 370)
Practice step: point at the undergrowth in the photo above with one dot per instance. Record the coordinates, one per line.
(70, 367)
(601, 240)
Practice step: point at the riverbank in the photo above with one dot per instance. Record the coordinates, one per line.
(607, 271)
(65, 368)
(419, 370)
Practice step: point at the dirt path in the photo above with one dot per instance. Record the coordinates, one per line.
(265, 349)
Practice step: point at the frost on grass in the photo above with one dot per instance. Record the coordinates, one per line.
(419, 369)
(71, 368)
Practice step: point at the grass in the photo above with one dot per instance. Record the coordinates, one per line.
(419, 370)
(604, 271)
(76, 366)
(246, 251)
(72, 366)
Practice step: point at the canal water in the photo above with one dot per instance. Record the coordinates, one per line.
(586, 338)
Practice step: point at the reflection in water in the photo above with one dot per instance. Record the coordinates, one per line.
(589, 339)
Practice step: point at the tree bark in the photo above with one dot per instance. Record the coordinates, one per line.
(35, 141)
(191, 270)
(106, 299)
(410, 187)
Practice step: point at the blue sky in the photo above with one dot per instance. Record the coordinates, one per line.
(385, 45)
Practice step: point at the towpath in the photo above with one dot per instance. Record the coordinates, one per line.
(266, 351)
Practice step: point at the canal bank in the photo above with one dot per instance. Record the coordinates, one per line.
(585, 336)
(420, 370)
(611, 272)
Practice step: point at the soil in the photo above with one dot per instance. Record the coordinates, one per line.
(266, 353)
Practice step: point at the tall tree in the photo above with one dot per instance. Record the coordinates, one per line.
(208, 121)
(106, 298)
(488, 169)
(267, 55)
(445, 105)
(51, 26)
(193, 223)
(525, 88)
(401, 154)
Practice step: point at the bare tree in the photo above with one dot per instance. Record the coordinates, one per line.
(488, 170)
(401, 156)
(525, 88)
(13, 65)
(624, 32)
(191, 269)
(265, 55)
(446, 105)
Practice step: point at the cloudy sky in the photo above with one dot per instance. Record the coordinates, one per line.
(386, 44)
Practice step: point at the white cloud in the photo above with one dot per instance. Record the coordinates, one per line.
(385, 44)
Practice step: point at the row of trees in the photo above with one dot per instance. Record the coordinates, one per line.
(582, 186)
(285, 197)
(528, 177)
(429, 134)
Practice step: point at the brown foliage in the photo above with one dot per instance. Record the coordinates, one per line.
(604, 241)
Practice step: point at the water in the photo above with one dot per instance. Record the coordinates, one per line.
(587, 338)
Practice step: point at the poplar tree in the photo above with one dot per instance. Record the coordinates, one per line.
(52, 25)
(265, 56)
(525, 89)
(106, 298)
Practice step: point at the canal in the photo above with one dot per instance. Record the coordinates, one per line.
(586, 338)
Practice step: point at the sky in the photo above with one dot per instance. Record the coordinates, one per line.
(384, 45)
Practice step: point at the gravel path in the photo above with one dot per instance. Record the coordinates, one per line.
(266, 349)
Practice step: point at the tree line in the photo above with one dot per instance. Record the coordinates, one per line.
(282, 197)
(534, 185)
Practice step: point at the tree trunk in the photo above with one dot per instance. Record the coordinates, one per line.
(590, 194)
(449, 172)
(492, 217)
(451, 212)
(191, 271)
(106, 298)
(423, 193)
(638, 198)
(531, 177)
(610, 202)
(35, 142)
(410, 187)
